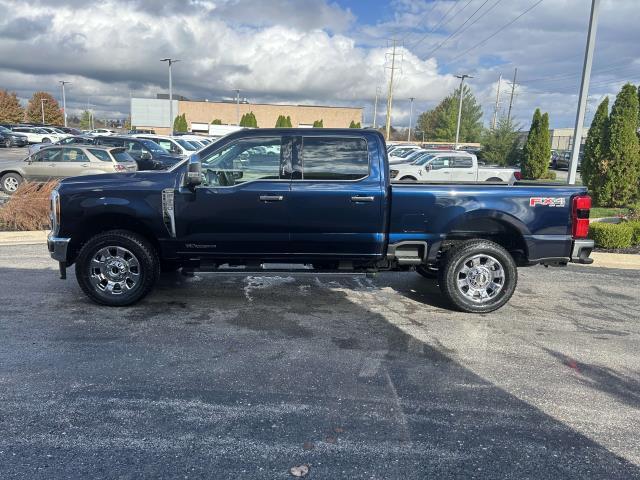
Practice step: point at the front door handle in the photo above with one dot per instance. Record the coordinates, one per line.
(358, 199)
(271, 198)
(84, 165)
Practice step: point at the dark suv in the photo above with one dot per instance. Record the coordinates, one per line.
(12, 139)
(147, 154)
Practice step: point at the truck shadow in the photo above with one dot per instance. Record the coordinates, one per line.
(233, 374)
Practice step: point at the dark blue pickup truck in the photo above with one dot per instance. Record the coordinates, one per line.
(320, 199)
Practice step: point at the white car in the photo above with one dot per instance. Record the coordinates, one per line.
(102, 132)
(403, 152)
(174, 145)
(41, 134)
(452, 167)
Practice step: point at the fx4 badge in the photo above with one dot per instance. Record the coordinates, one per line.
(546, 201)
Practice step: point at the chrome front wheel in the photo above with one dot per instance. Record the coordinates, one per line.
(114, 270)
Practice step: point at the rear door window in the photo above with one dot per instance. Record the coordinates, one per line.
(461, 162)
(334, 158)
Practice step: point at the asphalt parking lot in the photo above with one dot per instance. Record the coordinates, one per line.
(238, 376)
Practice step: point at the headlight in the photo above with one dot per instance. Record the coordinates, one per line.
(393, 173)
(54, 215)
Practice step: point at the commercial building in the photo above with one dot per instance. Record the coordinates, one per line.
(561, 138)
(153, 113)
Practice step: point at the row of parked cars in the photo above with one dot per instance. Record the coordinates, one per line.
(75, 155)
(411, 163)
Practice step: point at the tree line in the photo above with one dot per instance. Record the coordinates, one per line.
(12, 112)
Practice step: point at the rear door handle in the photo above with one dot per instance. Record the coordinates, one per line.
(271, 198)
(358, 199)
(84, 165)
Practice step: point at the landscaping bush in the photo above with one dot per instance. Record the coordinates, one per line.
(635, 227)
(611, 235)
(28, 207)
(548, 175)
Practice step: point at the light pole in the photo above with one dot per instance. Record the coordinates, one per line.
(170, 61)
(237, 106)
(584, 91)
(64, 101)
(410, 116)
(42, 100)
(461, 77)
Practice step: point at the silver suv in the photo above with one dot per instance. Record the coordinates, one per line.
(57, 162)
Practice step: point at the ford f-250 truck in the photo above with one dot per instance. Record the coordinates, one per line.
(321, 198)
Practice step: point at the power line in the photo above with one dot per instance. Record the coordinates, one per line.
(485, 40)
(452, 34)
(479, 17)
(455, 4)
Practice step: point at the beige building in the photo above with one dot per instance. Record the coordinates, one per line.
(154, 113)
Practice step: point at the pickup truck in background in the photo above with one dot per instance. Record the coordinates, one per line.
(318, 198)
(452, 167)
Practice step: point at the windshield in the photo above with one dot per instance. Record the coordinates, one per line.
(4, 130)
(121, 156)
(153, 146)
(186, 145)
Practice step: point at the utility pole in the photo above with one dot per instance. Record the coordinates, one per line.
(513, 88)
(64, 101)
(390, 92)
(495, 109)
(42, 100)
(375, 107)
(584, 90)
(170, 61)
(410, 115)
(237, 106)
(461, 77)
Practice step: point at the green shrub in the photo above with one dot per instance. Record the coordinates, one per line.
(635, 227)
(548, 175)
(611, 235)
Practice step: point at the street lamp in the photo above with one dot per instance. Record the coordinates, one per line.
(42, 100)
(410, 117)
(237, 106)
(170, 61)
(64, 100)
(461, 77)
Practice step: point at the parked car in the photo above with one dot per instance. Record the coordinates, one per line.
(174, 145)
(56, 162)
(73, 140)
(102, 131)
(9, 138)
(452, 167)
(148, 154)
(326, 202)
(563, 161)
(39, 134)
(56, 131)
(141, 131)
(403, 150)
(71, 130)
(414, 156)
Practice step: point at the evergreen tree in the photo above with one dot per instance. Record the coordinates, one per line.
(10, 109)
(180, 124)
(594, 163)
(288, 122)
(318, 124)
(279, 121)
(353, 124)
(537, 149)
(620, 182)
(500, 145)
(85, 120)
(52, 111)
(216, 121)
(440, 123)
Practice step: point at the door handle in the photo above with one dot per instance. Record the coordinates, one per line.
(271, 198)
(84, 165)
(357, 199)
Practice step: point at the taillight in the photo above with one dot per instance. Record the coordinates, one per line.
(119, 168)
(517, 175)
(580, 208)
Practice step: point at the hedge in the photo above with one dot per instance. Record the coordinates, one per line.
(612, 235)
(635, 226)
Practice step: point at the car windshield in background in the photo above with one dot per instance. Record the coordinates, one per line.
(153, 146)
(186, 145)
(4, 130)
(424, 159)
(121, 156)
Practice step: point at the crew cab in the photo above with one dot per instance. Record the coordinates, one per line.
(452, 167)
(320, 199)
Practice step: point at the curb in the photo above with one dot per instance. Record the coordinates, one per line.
(600, 259)
(36, 237)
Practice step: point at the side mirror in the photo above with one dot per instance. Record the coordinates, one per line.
(193, 177)
(429, 167)
(146, 156)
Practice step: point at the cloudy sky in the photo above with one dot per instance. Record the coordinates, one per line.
(317, 51)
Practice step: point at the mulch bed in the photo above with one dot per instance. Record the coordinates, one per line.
(631, 250)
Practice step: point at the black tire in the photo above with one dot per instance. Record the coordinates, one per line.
(452, 271)
(427, 272)
(408, 178)
(46, 140)
(494, 179)
(145, 256)
(10, 182)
